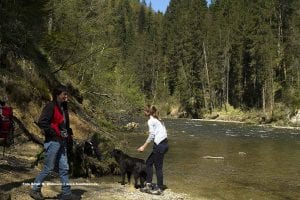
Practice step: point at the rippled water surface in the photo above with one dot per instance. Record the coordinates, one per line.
(254, 162)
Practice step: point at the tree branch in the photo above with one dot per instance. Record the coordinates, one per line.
(79, 61)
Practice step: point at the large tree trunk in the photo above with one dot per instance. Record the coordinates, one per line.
(207, 78)
(50, 23)
(226, 71)
(50, 18)
(264, 99)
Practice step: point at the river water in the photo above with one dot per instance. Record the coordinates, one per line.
(252, 162)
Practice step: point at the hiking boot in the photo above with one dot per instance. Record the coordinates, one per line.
(68, 197)
(156, 191)
(147, 188)
(37, 195)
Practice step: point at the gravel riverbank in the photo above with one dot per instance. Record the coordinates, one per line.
(17, 177)
(93, 191)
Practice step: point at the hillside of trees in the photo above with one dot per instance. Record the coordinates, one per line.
(118, 55)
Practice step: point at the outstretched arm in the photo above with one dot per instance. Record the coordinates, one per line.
(143, 147)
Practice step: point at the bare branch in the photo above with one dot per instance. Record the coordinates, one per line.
(80, 60)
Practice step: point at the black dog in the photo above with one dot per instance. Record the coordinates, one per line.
(84, 159)
(91, 149)
(129, 166)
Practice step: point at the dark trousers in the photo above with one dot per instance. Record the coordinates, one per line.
(156, 158)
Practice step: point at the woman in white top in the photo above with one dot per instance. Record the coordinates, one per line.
(158, 134)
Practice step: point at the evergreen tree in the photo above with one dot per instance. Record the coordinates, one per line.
(243, 53)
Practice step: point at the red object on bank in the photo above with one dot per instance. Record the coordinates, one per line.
(6, 124)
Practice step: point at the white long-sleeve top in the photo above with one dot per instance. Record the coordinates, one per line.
(157, 130)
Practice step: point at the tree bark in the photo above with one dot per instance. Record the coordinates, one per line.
(50, 23)
(264, 100)
(207, 78)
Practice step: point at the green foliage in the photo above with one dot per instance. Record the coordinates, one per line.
(121, 54)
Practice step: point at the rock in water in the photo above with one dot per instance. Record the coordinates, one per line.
(213, 157)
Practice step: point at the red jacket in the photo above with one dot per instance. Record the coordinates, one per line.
(57, 120)
(50, 121)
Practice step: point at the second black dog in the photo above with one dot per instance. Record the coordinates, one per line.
(130, 166)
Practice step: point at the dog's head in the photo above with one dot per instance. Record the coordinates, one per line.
(91, 149)
(116, 153)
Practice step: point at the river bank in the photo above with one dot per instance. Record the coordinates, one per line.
(88, 189)
(280, 117)
(17, 177)
(242, 122)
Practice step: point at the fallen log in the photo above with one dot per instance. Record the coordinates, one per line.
(29, 135)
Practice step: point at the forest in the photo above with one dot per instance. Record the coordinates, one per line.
(234, 60)
(120, 54)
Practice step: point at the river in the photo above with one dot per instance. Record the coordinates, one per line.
(252, 162)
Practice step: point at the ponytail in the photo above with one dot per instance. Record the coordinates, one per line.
(152, 110)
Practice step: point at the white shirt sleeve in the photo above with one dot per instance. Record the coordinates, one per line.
(151, 126)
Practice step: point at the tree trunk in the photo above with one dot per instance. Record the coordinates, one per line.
(154, 90)
(298, 78)
(264, 100)
(204, 96)
(226, 69)
(227, 79)
(272, 92)
(50, 23)
(50, 19)
(207, 78)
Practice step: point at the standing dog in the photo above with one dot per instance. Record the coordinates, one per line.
(130, 166)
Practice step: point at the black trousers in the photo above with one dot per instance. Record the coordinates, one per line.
(156, 158)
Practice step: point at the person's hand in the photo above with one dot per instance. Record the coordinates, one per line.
(141, 149)
(64, 133)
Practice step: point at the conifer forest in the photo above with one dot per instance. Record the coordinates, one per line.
(121, 54)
